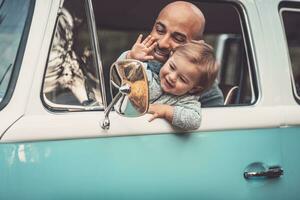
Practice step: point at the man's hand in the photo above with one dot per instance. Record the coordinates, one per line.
(161, 111)
(141, 49)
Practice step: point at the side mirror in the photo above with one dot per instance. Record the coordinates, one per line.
(129, 89)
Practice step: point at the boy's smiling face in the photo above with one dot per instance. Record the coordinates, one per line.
(178, 76)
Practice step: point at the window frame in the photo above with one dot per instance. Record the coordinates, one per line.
(54, 107)
(250, 54)
(248, 48)
(287, 8)
(19, 56)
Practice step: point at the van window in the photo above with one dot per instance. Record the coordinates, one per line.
(291, 22)
(225, 28)
(13, 16)
(72, 80)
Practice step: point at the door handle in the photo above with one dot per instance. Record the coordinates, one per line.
(269, 172)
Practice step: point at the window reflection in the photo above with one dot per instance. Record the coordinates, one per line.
(12, 22)
(72, 77)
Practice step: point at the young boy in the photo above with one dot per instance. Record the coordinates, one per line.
(174, 94)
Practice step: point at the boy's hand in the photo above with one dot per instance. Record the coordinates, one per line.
(142, 49)
(161, 111)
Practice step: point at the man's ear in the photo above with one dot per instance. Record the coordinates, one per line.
(196, 89)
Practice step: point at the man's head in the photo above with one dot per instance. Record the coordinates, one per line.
(177, 23)
(191, 69)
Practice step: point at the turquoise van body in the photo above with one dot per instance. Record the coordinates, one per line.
(207, 165)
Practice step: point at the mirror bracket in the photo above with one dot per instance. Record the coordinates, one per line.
(106, 122)
(123, 90)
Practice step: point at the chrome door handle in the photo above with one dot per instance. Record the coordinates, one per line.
(270, 172)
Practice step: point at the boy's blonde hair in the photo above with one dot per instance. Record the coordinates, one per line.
(202, 55)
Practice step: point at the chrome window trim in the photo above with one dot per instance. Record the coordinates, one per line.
(283, 9)
(91, 22)
(53, 107)
(254, 99)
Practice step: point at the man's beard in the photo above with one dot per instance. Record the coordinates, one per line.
(161, 54)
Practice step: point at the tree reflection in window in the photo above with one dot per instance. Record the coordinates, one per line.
(72, 76)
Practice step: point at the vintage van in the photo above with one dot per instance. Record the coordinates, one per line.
(55, 58)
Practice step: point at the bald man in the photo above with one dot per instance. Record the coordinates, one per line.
(177, 23)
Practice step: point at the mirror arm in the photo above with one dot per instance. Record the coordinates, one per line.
(123, 90)
(106, 123)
